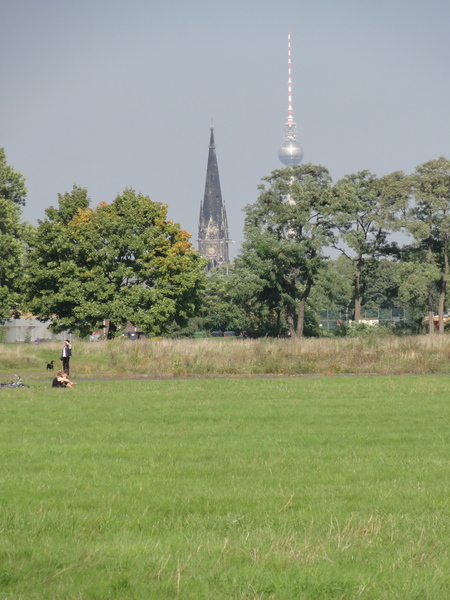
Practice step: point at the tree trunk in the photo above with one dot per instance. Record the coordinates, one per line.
(357, 316)
(430, 314)
(111, 330)
(301, 309)
(431, 326)
(301, 318)
(443, 291)
(291, 321)
(441, 306)
(291, 310)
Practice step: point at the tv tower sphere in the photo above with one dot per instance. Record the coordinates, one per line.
(290, 152)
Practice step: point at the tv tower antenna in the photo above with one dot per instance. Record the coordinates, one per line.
(290, 152)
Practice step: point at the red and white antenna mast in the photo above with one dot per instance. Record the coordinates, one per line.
(290, 152)
(290, 117)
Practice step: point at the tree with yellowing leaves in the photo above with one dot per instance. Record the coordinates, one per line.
(123, 261)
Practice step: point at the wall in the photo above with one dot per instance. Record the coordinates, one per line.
(27, 330)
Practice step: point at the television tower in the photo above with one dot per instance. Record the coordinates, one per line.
(290, 152)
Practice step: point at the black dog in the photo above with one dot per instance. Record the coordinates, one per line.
(50, 365)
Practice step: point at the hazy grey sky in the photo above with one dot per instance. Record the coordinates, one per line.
(111, 94)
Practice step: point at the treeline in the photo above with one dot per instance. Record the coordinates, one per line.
(125, 261)
(283, 275)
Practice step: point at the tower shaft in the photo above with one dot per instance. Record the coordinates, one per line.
(290, 117)
(213, 224)
(290, 152)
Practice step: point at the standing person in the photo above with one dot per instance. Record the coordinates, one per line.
(65, 356)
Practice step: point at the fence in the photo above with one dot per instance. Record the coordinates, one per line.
(329, 319)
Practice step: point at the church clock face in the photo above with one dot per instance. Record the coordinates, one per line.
(211, 251)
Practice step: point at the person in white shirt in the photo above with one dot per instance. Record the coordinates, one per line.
(65, 356)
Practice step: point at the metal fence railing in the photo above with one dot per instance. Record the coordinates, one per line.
(329, 319)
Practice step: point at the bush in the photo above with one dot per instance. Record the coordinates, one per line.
(311, 325)
(355, 329)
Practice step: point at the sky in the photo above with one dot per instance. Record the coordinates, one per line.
(110, 94)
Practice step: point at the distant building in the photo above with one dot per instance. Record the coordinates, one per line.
(130, 331)
(213, 224)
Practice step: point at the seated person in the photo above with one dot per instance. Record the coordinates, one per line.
(62, 380)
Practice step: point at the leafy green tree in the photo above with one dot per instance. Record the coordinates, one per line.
(12, 231)
(12, 183)
(417, 286)
(52, 290)
(285, 230)
(428, 221)
(382, 288)
(365, 209)
(254, 291)
(122, 261)
(220, 311)
(334, 289)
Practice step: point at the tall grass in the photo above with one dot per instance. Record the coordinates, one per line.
(228, 357)
(249, 489)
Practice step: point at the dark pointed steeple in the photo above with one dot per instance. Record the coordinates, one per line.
(213, 225)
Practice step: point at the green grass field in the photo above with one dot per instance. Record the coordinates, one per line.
(293, 488)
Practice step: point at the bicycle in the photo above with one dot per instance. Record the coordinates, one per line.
(14, 384)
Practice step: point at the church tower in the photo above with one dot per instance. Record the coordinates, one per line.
(213, 225)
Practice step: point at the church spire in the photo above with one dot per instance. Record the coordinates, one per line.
(213, 225)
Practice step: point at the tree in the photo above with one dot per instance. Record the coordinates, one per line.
(256, 292)
(365, 207)
(12, 183)
(417, 282)
(382, 288)
(220, 311)
(122, 261)
(12, 231)
(285, 232)
(333, 289)
(428, 221)
(52, 289)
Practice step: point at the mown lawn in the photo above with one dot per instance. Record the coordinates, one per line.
(294, 488)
